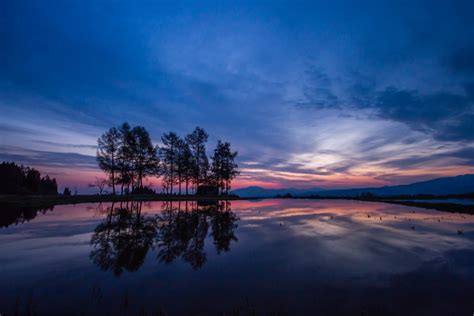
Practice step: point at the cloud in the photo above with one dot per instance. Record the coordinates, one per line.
(38, 159)
(446, 116)
(306, 95)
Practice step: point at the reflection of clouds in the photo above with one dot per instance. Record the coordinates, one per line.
(361, 236)
(334, 235)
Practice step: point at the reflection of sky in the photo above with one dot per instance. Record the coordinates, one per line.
(284, 246)
(310, 94)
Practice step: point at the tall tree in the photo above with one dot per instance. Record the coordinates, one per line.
(200, 164)
(107, 154)
(33, 180)
(223, 169)
(169, 153)
(125, 156)
(145, 155)
(185, 164)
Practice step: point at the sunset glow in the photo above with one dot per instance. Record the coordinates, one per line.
(311, 98)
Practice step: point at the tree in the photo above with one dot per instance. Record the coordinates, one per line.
(145, 155)
(169, 156)
(32, 180)
(223, 169)
(128, 156)
(107, 154)
(200, 164)
(100, 184)
(12, 178)
(67, 191)
(125, 156)
(185, 165)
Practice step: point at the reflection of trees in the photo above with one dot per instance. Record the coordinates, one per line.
(14, 214)
(122, 241)
(223, 225)
(183, 230)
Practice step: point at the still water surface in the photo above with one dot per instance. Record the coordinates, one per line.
(269, 257)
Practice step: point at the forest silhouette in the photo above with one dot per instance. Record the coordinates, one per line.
(17, 179)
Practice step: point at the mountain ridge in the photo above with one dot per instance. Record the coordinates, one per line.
(460, 184)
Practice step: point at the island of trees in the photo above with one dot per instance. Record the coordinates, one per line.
(127, 156)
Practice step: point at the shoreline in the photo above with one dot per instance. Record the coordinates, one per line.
(36, 200)
(39, 201)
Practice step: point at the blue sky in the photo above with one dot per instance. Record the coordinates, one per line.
(338, 94)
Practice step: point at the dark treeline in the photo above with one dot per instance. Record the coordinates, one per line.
(24, 180)
(127, 155)
(122, 241)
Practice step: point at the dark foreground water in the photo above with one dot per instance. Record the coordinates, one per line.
(270, 257)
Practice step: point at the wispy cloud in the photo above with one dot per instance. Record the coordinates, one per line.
(319, 94)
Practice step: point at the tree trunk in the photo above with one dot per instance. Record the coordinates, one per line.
(113, 175)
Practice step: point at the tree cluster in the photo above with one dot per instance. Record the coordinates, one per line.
(127, 155)
(17, 179)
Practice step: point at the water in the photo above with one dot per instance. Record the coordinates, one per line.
(442, 201)
(269, 257)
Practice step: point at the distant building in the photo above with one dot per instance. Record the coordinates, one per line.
(207, 190)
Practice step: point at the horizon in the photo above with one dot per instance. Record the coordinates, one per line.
(336, 189)
(334, 96)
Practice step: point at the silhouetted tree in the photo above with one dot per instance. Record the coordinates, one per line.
(223, 169)
(128, 156)
(33, 180)
(125, 157)
(186, 164)
(12, 178)
(200, 164)
(100, 184)
(183, 163)
(169, 153)
(145, 155)
(107, 154)
(48, 186)
(67, 191)
(177, 162)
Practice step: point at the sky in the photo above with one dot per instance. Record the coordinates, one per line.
(311, 94)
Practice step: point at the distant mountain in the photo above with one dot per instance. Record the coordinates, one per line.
(260, 192)
(440, 186)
